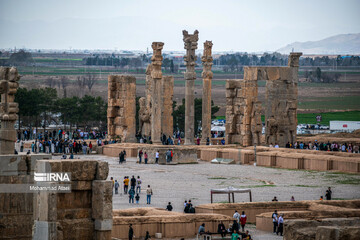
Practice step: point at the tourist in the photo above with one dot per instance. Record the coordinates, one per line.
(21, 146)
(221, 229)
(145, 158)
(149, 192)
(137, 198)
(131, 195)
(223, 141)
(275, 199)
(124, 153)
(321, 198)
(168, 156)
(133, 182)
(140, 155)
(33, 147)
(138, 184)
(237, 216)
(116, 185)
(197, 140)
(276, 145)
(131, 232)
(234, 235)
(169, 207)
(292, 199)
(156, 157)
(247, 235)
(275, 221)
(328, 194)
(185, 203)
(207, 141)
(202, 229)
(113, 182)
(242, 220)
(90, 147)
(280, 225)
(120, 157)
(126, 184)
(147, 236)
(235, 226)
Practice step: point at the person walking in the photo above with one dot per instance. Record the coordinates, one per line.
(126, 184)
(157, 157)
(243, 220)
(168, 156)
(138, 184)
(149, 193)
(116, 185)
(237, 216)
(131, 195)
(275, 221)
(140, 155)
(145, 158)
(328, 194)
(280, 225)
(137, 198)
(133, 183)
(131, 232)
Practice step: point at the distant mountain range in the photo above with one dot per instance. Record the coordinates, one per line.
(338, 44)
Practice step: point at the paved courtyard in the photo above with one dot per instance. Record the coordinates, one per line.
(177, 183)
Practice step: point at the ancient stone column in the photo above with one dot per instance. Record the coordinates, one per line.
(121, 107)
(207, 76)
(156, 97)
(190, 44)
(167, 118)
(9, 78)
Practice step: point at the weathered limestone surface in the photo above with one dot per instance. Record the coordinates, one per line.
(190, 44)
(281, 102)
(16, 209)
(243, 111)
(207, 76)
(167, 83)
(85, 212)
(180, 154)
(121, 107)
(157, 93)
(9, 78)
(145, 105)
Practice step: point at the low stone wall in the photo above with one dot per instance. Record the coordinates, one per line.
(322, 229)
(83, 213)
(16, 209)
(251, 208)
(181, 154)
(169, 224)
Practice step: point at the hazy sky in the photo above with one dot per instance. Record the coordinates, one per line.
(236, 25)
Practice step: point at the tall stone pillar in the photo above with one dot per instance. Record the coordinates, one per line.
(156, 97)
(190, 44)
(167, 110)
(9, 78)
(207, 76)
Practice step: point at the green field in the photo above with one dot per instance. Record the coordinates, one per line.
(345, 102)
(310, 118)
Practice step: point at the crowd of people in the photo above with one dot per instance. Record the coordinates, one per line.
(77, 134)
(322, 146)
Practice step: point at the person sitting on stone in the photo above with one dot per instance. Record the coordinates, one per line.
(275, 199)
(221, 229)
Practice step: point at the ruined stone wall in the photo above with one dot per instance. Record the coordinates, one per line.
(16, 208)
(167, 108)
(85, 212)
(243, 111)
(121, 107)
(9, 78)
(281, 102)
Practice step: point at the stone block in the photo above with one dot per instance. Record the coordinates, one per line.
(81, 185)
(102, 199)
(102, 170)
(103, 235)
(103, 225)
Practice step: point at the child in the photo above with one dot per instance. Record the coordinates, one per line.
(137, 198)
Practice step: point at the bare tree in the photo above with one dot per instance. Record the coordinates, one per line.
(80, 82)
(90, 80)
(50, 82)
(64, 81)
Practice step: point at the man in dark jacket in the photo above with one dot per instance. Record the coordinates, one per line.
(131, 232)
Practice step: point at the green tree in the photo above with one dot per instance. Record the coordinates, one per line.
(21, 57)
